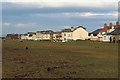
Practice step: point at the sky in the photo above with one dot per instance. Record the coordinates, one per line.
(36, 15)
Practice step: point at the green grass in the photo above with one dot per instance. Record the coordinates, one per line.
(68, 60)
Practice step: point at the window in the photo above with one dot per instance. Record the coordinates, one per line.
(64, 34)
(104, 37)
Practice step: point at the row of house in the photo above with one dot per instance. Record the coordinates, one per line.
(72, 34)
(105, 34)
(64, 35)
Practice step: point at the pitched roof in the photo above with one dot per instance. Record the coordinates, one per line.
(9, 35)
(57, 32)
(109, 27)
(66, 30)
(115, 32)
(105, 29)
(116, 26)
(96, 32)
(70, 30)
(82, 27)
(46, 32)
(31, 33)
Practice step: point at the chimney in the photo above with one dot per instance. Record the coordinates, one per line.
(105, 25)
(111, 24)
(72, 28)
(117, 23)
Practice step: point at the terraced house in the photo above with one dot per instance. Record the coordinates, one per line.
(24, 37)
(67, 34)
(115, 35)
(57, 36)
(106, 33)
(44, 35)
(64, 35)
(73, 34)
(106, 30)
(28, 36)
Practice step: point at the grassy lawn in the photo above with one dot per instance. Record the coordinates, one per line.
(65, 60)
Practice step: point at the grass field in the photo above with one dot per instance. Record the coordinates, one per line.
(65, 60)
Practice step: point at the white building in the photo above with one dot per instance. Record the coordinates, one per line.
(24, 36)
(106, 30)
(57, 37)
(78, 33)
(66, 36)
(44, 35)
(94, 35)
(28, 36)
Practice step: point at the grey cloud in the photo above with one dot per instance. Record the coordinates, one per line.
(19, 9)
(52, 18)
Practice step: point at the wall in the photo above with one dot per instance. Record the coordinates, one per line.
(92, 37)
(80, 33)
(67, 36)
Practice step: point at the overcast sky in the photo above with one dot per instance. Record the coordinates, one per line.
(34, 15)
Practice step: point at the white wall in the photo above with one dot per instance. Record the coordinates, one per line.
(67, 36)
(24, 37)
(106, 38)
(92, 37)
(80, 33)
